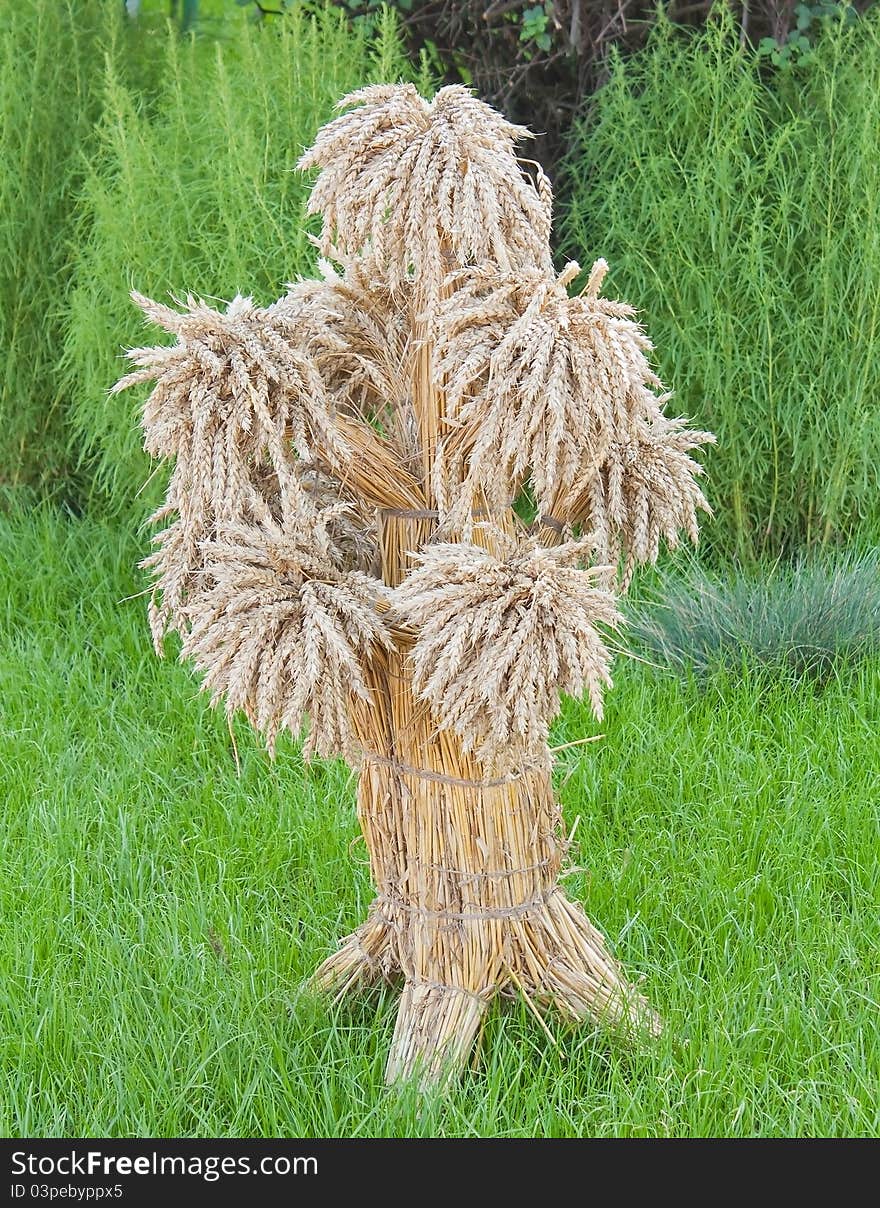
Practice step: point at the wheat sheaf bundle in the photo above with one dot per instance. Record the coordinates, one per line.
(414, 183)
(282, 635)
(234, 397)
(243, 374)
(498, 638)
(363, 346)
(645, 490)
(536, 382)
(328, 561)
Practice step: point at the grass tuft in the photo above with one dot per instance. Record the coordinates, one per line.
(808, 618)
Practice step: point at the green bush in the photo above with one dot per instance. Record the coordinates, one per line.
(197, 195)
(807, 618)
(739, 207)
(49, 57)
(52, 59)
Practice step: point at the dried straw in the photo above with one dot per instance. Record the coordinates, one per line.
(281, 634)
(500, 639)
(414, 182)
(341, 543)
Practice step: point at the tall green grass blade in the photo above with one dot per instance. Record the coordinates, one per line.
(197, 194)
(739, 208)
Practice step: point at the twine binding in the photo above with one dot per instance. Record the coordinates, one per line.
(409, 769)
(482, 998)
(411, 513)
(467, 874)
(551, 522)
(434, 514)
(490, 912)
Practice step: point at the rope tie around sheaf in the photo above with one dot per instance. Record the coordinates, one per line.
(408, 769)
(551, 522)
(466, 874)
(489, 912)
(482, 997)
(411, 513)
(434, 514)
(373, 963)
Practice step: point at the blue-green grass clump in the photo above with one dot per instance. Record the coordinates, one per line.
(809, 618)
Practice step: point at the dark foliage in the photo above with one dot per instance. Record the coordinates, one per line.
(538, 62)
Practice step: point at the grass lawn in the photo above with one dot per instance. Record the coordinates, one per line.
(160, 912)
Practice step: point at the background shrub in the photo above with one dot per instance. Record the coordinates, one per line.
(50, 56)
(538, 61)
(197, 194)
(739, 207)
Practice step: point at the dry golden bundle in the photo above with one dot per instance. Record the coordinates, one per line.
(537, 383)
(341, 543)
(351, 525)
(314, 504)
(500, 636)
(363, 340)
(243, 374)
(233, 396)
(645, 490)
(282, 636)
(416, 183)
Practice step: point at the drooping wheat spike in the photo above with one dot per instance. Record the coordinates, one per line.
(235, 399)
(411, 183)
(350, 523)
(537, 383)
(645, 489)
(244, 373)
(499, 638)
(281, 633)
(364, 350)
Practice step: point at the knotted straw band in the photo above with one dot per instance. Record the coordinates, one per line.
(551, 522)
(481, 997)
(411, 513)
(490, 912)
(433, 514)
(440, 777)
(467, 874)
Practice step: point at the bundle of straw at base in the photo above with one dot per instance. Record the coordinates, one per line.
(343, 543)
(466, 860)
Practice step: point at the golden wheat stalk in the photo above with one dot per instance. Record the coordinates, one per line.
(500, 637)
(340, 544)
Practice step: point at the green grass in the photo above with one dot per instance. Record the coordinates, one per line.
(738, 208)
(160, 912)
(132, 156)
